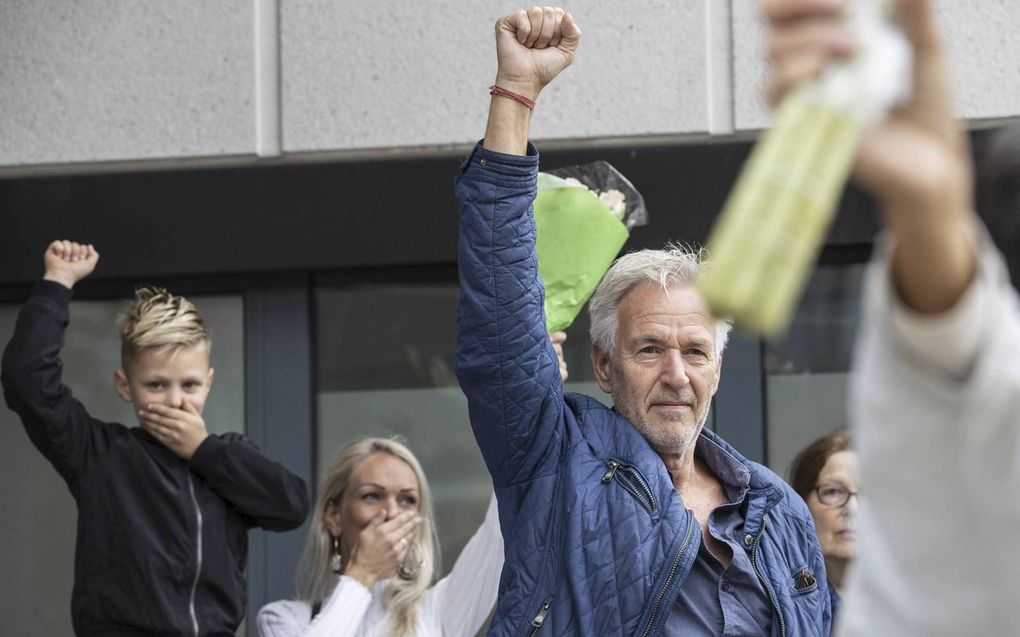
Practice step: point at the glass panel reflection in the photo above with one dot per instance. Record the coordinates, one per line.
(807, 370)
(385, 359)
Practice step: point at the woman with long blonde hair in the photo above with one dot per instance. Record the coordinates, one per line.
(371, 555)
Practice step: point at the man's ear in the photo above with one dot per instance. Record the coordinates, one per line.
(209, 379)
(121, 385)
(718, 375)
(600, 362)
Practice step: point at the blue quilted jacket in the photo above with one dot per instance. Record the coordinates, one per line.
(597, 539)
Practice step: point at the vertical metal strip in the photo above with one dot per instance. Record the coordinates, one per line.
(268, 127)
(739, 404)
(280, 419)
(719, 65)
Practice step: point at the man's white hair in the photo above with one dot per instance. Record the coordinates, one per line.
(676, 264)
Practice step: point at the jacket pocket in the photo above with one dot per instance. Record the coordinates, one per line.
(803, 581)
(631, 480)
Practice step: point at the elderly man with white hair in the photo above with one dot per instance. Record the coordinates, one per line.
(631, 520)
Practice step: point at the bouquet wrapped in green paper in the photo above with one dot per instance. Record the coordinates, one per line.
(583, 216)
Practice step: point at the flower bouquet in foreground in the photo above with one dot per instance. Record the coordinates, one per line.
(583, 216)
(775, 220)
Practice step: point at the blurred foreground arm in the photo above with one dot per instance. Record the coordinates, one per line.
(935, 382)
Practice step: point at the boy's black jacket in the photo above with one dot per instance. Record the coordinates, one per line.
(162, 542)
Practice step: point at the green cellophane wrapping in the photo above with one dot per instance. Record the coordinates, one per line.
(578, 239)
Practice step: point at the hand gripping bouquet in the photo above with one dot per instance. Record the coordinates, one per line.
(583, 216)
(775, 220)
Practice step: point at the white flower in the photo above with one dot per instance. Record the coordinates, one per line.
(615, 201)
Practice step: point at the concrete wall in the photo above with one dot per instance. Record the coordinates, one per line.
(90, 81)
(93, 81)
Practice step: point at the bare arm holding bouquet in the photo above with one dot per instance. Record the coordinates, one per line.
(936, 380)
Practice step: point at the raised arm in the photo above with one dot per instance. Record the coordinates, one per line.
(465, 597)
(505, 361)
(916, 162)
(532, 47)
(57, 424)
(935, 387)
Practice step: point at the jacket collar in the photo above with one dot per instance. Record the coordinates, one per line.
(619, 435)
(763, 493)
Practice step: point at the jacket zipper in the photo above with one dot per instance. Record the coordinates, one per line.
(765, 582)
(632, 481)
(198, 552)
(691, 523)
(536, 624)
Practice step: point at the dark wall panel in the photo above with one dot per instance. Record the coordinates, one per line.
(325, 216)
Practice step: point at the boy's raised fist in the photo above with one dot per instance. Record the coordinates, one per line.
(68, 262)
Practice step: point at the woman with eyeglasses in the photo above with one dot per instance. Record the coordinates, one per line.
(825, 474)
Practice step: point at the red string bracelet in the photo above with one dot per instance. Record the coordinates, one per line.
(499, 90)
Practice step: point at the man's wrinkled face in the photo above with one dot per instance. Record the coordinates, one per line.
(665, 371)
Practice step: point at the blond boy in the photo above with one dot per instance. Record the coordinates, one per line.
(164, 508)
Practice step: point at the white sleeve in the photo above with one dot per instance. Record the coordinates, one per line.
(959, 411)
(939, 443)
(341, 614)
(464, 598)
(284, 618)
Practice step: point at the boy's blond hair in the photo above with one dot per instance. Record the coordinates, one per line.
(159, 320)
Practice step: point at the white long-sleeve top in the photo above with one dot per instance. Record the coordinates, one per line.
(935, 409)
(456, 606)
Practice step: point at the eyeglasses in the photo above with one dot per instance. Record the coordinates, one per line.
(834, 495)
